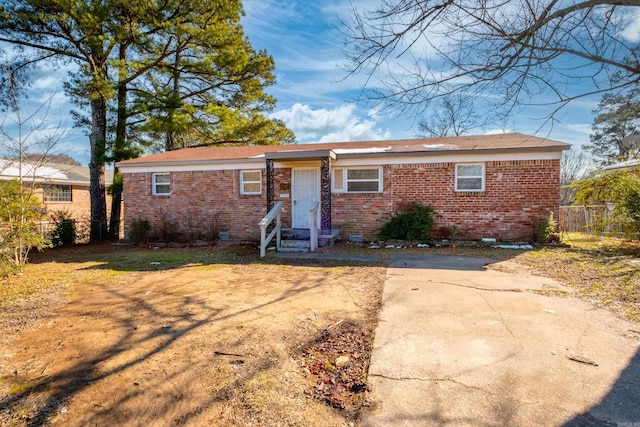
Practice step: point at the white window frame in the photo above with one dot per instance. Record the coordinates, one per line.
(243, 181)
(343, 185)
(155, 184)
(56, 193)
(481, 176)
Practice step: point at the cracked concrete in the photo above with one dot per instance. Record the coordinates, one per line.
(459, 344)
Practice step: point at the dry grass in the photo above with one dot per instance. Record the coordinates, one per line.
(604, 270)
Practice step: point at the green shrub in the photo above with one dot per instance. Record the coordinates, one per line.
(547, 231)
(618, 187)
(139, 229)
(64, 231)
(413, 222)
(20, 215)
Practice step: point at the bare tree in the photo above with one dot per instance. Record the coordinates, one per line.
(512, 53)
(28, 139)
(453, 116)
(575, 165)
(26, 142)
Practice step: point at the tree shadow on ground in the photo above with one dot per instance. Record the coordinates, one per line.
(138, 333)
(620, 406)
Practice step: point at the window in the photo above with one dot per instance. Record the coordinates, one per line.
(161, 184)
(251, 182)
(57, 193)
(357, 180)
(470, 177)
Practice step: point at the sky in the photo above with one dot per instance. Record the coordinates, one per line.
(316, 98)
(318, 103)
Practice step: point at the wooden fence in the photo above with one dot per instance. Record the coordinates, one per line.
(588, 219)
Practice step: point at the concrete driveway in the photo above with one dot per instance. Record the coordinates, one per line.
(459, 344)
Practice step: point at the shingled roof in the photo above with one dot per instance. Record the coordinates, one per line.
(423, 146)
(51, 173)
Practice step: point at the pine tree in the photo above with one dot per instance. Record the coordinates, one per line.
(618, 116)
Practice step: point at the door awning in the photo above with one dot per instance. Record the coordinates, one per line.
(300, 155)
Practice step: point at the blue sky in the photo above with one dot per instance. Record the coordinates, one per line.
(316, 101)
(314, 98)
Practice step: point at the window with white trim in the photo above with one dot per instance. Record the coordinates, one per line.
(161, 184)
(57, 193)
(470, 177)
(357, 180)
(251, 182)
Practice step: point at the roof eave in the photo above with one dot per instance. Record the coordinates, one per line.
(45, 181)
(259, 159)
(434, 153)
(316, 154)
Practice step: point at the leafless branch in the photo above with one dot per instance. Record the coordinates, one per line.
(510, 54)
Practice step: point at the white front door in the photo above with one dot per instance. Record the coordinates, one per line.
(305, 193)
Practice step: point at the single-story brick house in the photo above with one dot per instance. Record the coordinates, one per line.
(496, 186)
(60, 187)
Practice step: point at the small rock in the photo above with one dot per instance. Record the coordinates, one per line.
(374, 247)
(63, 410)
(342, 361)
(155, 263)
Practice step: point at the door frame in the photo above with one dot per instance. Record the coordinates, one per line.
(293, 195)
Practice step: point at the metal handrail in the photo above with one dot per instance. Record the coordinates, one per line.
(274, 213)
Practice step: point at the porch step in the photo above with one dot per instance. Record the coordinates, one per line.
(295, 234)
(294, 245)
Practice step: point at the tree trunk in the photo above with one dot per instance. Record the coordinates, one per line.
(97, 140)
(170, 142)
(119, 150)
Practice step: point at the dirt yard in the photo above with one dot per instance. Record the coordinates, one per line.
(216, 336)
(184, 337)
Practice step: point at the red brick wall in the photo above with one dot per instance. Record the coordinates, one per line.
(518, 194)
(201, 204)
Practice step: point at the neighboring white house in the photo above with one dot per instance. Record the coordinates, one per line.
(58, 186)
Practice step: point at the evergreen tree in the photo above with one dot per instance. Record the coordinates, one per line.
(210, 90)
(194, 76)
(618, 116)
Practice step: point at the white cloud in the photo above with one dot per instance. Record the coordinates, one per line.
(339, 124)
(581, 128)
(631, 32)
(498, 131)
